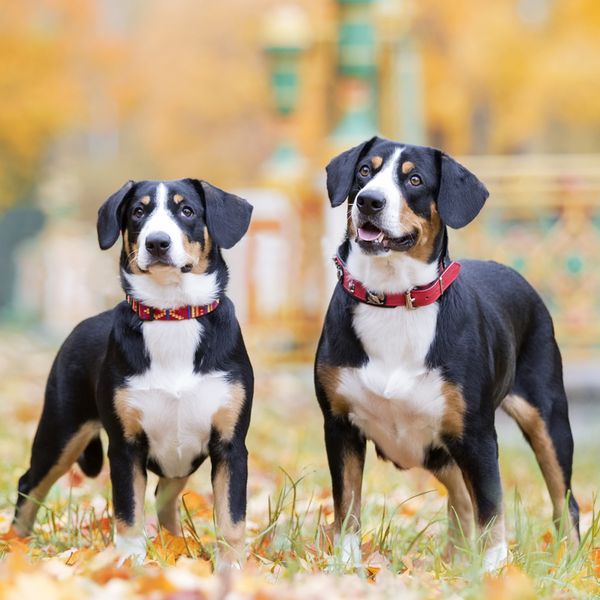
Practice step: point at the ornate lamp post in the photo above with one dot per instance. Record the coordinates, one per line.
(357, 69)
(286, 35)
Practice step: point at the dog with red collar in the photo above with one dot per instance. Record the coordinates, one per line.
(165, 372)
(417, 352)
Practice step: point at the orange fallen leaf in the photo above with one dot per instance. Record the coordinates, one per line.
(595, 556)
(197, 504)
(547, 539)
(105, 574)
(511, 584)
(169, 547)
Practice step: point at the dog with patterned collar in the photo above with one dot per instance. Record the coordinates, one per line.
(165, 372)
(417, 352)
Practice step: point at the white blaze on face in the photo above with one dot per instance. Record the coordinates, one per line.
(386, 182)
(161, 220)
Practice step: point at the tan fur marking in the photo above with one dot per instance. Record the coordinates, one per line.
(131, 250)
(329, 377)
(376, 162)
(427, 230)
(231, 544)
(460, 507)
(198, 255)
(407, 167)
(177, 198)
(530, 420)
(130, 417)
(69, 454)
(351, 495)
(145, 200)
(167, 502)
(225, 419)
(139, 495)
(452, 421)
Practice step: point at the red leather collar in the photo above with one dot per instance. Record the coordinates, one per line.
(414, 298)
(148, 313)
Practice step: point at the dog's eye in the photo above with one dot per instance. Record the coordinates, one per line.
(138, 212)
(415, 180)
(186, 211)
(364, 170)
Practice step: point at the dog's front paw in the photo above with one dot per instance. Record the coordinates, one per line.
(347, 551)
(131, 547)
(495, 557)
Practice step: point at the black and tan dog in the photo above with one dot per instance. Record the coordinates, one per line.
(417, 357)
(165, 373)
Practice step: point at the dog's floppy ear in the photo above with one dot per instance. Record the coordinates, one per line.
(340, 172)
(227, 215)
(461, 195)
(109, 217)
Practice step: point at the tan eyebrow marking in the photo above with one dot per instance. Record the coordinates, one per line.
(376, 162)
(177, 198)
(407, 166)
(145, 200)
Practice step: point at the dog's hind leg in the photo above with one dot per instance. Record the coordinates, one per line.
(539, 406)
(167, 495)
(54, 451)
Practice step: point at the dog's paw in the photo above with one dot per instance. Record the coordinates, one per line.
(130, 547)
(495, 557)
(347, 552)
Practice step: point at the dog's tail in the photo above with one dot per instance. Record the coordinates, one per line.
(92, 457)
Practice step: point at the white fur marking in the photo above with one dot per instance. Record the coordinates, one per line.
(496, 557)
(186, 288)
(395, 399)
(385, 181)
(176, 404)
(133, 547)
(161, 220)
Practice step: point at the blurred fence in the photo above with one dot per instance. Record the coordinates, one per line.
(542, 218)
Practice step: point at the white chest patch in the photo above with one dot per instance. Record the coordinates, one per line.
(175, 404)
(395, 400)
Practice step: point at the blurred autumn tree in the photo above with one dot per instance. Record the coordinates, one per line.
(146, 88)
(511, 75)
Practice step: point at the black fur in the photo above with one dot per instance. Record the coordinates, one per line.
(494, 336)
(104, 351)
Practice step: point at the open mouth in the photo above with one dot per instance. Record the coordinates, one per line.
(370, 236)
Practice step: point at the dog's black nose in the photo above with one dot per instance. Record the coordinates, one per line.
(158, 243)
(370, 202)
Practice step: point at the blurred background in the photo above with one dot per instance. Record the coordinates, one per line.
(256, 97)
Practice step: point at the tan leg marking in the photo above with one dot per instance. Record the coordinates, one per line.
(231, 534)
(351, 495)
(69, 454)
(531, 422)
(460, 507)
(407, 167)
(167, 502)
(454, 413)
(139, 494)
(226, 418)
(130, 417)
(329, 377)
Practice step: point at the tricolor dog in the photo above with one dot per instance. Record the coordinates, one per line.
(165, 372)
(417, 352)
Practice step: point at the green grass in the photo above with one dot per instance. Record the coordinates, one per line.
(290, 509)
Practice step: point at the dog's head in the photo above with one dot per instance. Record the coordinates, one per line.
(402, 196)
(171, 227)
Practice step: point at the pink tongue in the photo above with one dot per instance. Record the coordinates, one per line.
(368, 235)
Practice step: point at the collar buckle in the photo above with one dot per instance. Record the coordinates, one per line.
(409, 300)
